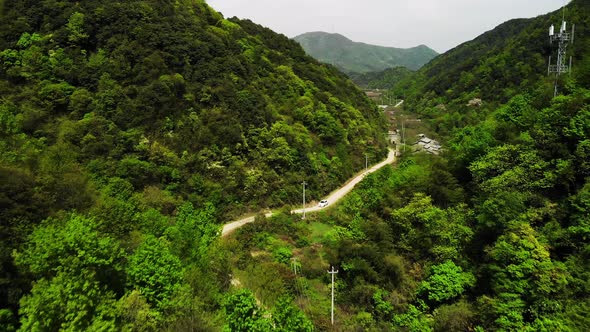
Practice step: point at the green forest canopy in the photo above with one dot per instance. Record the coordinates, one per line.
(119, 118)
(490, 236)
(128, 130)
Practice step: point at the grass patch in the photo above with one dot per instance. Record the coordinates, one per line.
(318, 230)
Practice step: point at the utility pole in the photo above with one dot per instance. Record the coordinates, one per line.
(403, 134)
(295, 266)
(366, 162)
(333, 273)
(303, 200)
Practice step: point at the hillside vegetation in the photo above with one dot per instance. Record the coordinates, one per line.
(493, 235)
(128, 130)
(496, 66)
(357, 57)
(386, 79)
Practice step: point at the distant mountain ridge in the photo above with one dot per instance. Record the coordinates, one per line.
(359, 57)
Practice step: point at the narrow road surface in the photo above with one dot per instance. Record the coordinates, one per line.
(230, 227)
(334, 197)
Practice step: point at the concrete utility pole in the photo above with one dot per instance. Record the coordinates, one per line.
(403, 134)
(366, 162)
(333, 273)
(303, 200)
(295, 266)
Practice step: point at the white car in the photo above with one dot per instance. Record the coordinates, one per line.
(323, 203)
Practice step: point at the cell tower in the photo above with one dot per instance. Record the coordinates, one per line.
(562, 39)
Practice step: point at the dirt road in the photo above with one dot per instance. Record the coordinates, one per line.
(230, 227)
(334, 197)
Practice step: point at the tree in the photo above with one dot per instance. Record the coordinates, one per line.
(155, 271)
(193, 232)
(523, 276)
(69, 302)
(78, 275)
(76, 28)
(287, 316)
(431, 231)
(243, 314)
(470, 143)
(579, 230)
(455, 317)
(445, 282)
(383, 308)
(413, 320)
(511, 167)
(136, 314)
(72, 246)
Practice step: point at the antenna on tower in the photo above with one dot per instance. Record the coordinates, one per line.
(562, 39)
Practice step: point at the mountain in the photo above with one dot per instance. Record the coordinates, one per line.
(128, 129)
(360, 57)
(207, 92)
(492, 234)
(384, 80)
(496, 66)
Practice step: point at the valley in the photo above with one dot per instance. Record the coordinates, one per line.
(333, 198)
(155, 156)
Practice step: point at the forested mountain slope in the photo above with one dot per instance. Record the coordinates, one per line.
(499, 64)
(134, 125)
(357, 57)
(385, 79)
(494, 235)
(491, 235)
(201, 91)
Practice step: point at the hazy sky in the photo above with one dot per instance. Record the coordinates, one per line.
(440, 24)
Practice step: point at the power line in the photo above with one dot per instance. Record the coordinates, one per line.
(299, 287)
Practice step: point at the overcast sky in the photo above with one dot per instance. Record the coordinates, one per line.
(439, 24)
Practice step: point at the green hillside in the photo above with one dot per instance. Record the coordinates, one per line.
(385, 79)
(356, 57)
(491, 235)
(496, 66)
(129, 131)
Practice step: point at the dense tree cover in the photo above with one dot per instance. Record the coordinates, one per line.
(385, 79)
(244, 314)
(128, 130)
(491, 235)
(495, 67)
(185, 101)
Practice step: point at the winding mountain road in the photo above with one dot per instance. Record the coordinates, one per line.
(334, 197)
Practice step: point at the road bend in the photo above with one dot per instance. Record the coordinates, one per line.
(332, 198)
